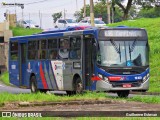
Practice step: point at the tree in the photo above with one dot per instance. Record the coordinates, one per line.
(56, 16)
(149, 12)
(100, 11)
(147, 4)
(149, 8)
(78, 15)
(124, 9)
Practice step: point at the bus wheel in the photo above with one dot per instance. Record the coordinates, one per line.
(70, 92)
(78, 86)
(33, 85)
(123, 94)
(43, 91)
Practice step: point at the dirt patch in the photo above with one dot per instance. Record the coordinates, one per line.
(87, 105)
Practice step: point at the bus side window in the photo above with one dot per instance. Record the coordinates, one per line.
(64, 48)
(32, 50)
(75, 51)
(42, 52)
(52, 48)
(14, 50)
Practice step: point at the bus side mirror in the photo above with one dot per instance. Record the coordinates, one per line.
(94, 50)
(98, 58)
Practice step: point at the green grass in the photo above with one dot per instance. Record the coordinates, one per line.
(5, 78)
(144, 99)
(152, 25)
(8, 97)
(18, 31)
(41, 97)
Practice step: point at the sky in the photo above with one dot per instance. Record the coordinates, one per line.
(32, 8)
(46, 8)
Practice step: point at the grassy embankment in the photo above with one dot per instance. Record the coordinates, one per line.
(18, 31)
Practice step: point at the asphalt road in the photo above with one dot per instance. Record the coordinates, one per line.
(10, 89)
(16, 90)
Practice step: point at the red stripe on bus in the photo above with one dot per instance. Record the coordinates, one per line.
(43, 77)
(95, 78)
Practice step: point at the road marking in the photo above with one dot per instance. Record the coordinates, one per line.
(1, 86)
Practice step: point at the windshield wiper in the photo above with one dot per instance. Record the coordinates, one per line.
(118, 49)
(131, 48)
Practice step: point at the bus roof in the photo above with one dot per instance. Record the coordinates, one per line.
(69, 31)
(55, 32)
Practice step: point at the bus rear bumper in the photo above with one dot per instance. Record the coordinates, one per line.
(105, 86)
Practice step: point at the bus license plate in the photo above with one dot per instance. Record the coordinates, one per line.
(127, 85)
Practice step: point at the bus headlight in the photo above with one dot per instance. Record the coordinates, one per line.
(148, 75)
(99, 75)
(145, 77)
(106, 79)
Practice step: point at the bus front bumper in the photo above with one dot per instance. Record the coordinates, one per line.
(105, 86)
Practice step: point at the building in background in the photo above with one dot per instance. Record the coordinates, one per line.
(5, 34)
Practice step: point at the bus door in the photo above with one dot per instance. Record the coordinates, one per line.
(22, 64)
(87, 60)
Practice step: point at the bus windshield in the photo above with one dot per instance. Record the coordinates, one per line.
(122, 53)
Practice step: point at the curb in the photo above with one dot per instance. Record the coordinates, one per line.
(27, 104)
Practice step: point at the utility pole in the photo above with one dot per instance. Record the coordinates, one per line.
(40, 18)
(22, 7)
(64, 14)
(108, 12)
(84, 12)
(112, 12)
(29, 18)
(15, 10)
(92, 13)
(76, 5)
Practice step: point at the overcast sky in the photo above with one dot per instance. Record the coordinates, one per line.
(46, 7)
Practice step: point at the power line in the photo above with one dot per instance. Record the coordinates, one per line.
(36, 2)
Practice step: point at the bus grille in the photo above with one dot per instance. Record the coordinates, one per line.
(120, 84)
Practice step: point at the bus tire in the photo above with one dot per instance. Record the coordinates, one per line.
(78, 86)
(43, 91)
(70, 93)
(33, 85)
(123, 94)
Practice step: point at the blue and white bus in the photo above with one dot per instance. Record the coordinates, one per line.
(96, 59)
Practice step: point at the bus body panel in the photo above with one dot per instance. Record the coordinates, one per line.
(59, 74)
(14, 73)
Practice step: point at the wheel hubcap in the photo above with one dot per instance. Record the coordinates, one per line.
(79, 88)
(33, 87)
